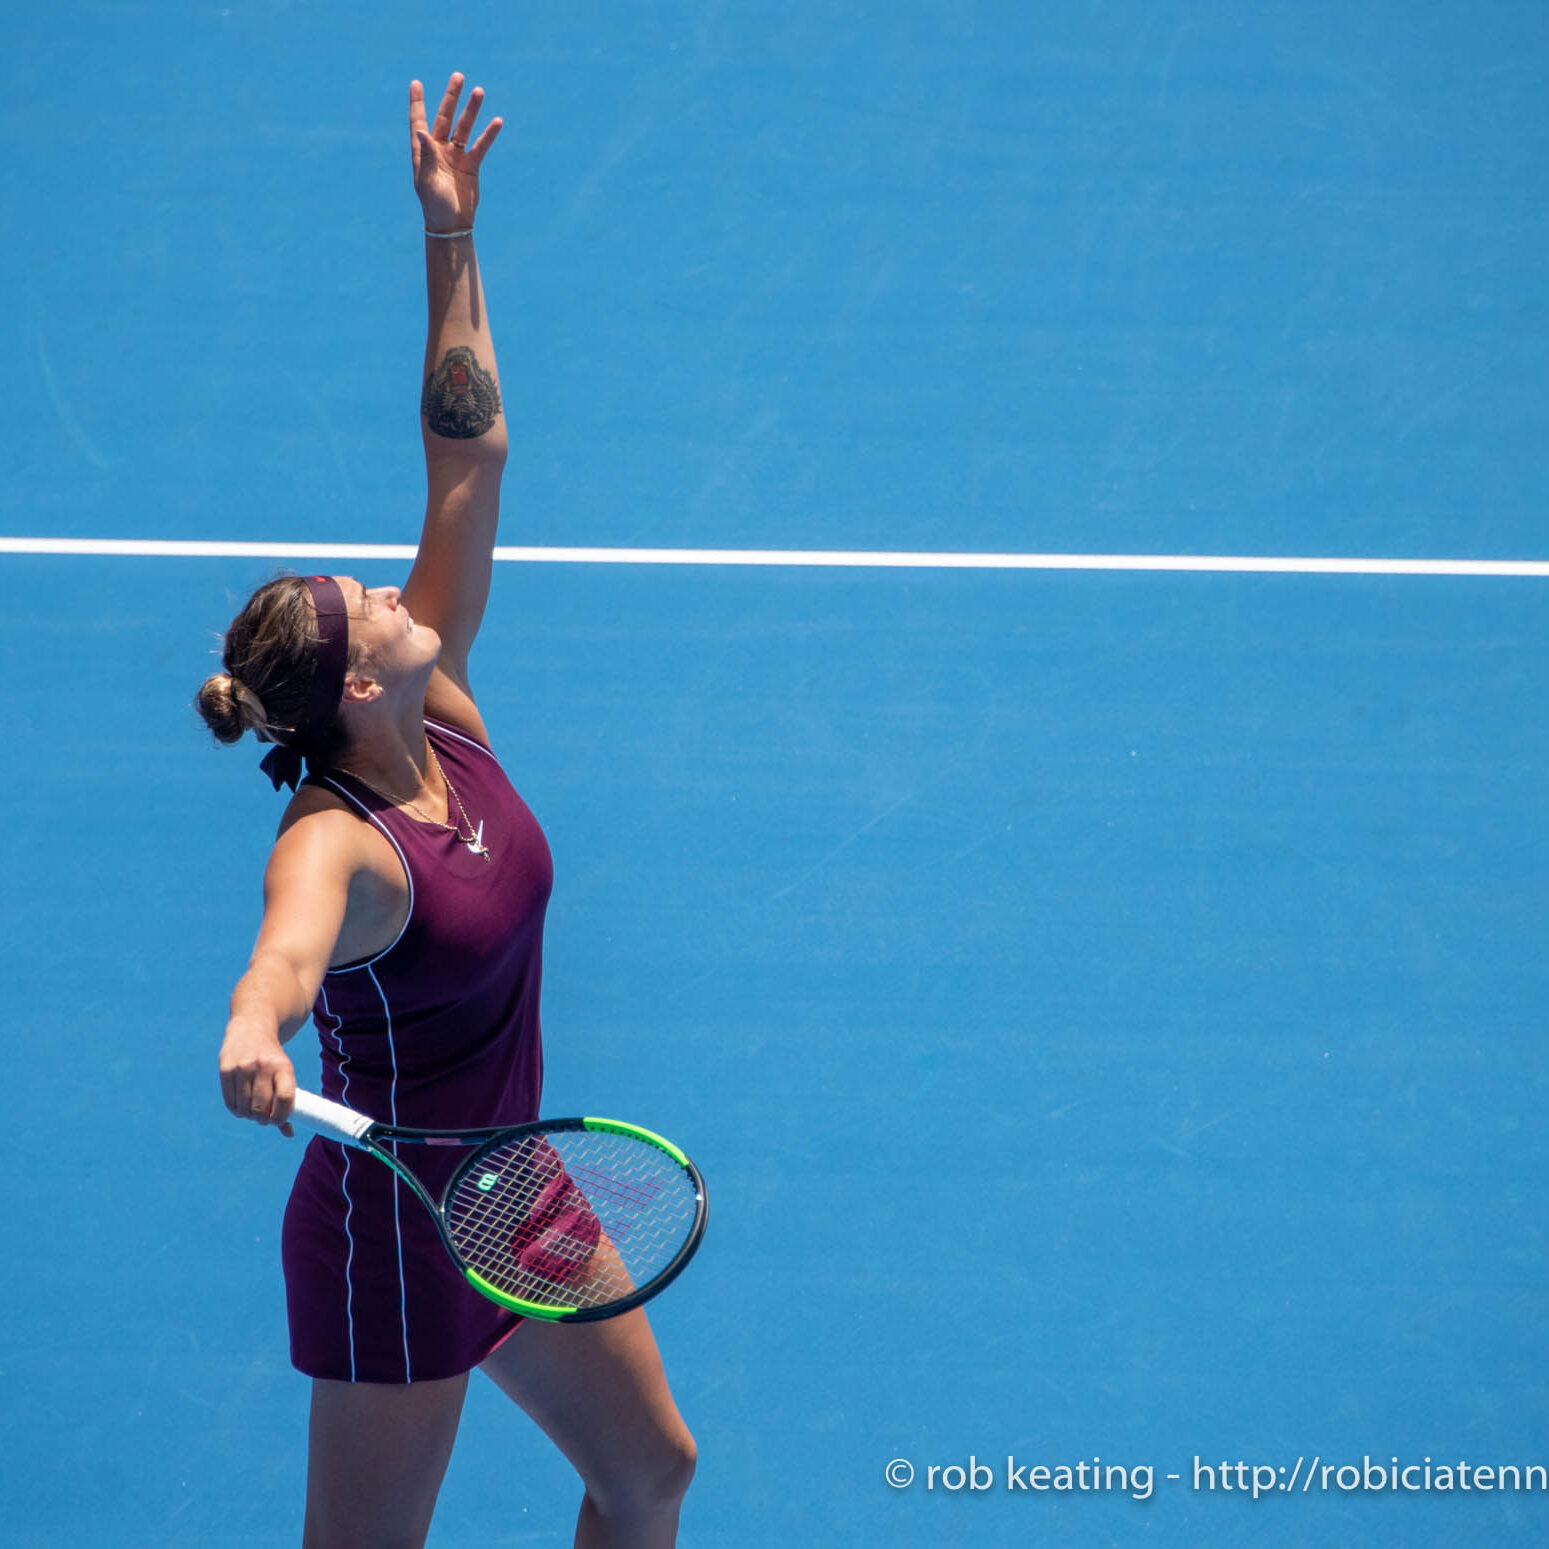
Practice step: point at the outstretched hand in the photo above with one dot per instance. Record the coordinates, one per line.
(446, 166)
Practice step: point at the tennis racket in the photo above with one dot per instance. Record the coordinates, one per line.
(567, 1219)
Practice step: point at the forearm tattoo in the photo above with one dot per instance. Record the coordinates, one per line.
(460, 399)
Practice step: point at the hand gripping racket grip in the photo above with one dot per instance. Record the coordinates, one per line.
(331, 1119)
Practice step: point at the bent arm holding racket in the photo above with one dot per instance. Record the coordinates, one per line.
(306, 893)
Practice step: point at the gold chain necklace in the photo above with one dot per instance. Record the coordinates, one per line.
(473, 839)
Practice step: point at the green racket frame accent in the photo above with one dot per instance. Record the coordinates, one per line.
(544, 1310)
(619, 1127)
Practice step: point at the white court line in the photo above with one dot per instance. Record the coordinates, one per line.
(888, 559)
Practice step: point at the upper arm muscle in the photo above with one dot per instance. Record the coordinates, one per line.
(306, 894)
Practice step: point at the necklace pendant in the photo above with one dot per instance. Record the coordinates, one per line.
(476, 845)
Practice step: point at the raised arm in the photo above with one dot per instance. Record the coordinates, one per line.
(461, 420)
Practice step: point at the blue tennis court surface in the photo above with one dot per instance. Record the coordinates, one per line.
(1106, 1007)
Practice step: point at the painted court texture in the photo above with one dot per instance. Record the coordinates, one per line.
(1106, 1000)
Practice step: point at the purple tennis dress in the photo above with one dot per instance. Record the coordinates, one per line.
(439, 1031)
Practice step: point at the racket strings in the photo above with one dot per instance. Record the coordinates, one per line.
(579, 1218)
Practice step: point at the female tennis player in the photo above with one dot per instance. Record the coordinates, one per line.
(403, 909)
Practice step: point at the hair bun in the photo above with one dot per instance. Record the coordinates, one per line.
(229, 707)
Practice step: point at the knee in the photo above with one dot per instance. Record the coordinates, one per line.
(650, 1484)
(685, 1460)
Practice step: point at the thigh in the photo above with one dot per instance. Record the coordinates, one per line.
(376, 1455)
(598, 1390)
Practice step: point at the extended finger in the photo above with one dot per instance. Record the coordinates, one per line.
(442, 127)
(416, 108)
(464, 130)
(482, 144)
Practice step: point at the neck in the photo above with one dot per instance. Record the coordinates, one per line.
(392, 753)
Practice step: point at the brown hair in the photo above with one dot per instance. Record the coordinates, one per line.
(270, 656)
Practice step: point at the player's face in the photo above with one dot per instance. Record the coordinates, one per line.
(383, 628)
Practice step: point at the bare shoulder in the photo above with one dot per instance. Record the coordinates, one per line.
(323, 833)
(311, 801)
(320, 836)
(340, 872)
(307, 886)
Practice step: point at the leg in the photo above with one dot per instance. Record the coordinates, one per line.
(599, 1391)
(376, 1455)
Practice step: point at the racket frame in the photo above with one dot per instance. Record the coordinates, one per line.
(335, 1121)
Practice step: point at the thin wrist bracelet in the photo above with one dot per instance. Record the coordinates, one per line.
(446, 236)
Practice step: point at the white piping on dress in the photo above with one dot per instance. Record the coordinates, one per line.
(392, 1108)
(462, 736)
(349, 1204)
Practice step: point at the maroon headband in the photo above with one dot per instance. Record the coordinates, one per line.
(283, 765)
(333, 650)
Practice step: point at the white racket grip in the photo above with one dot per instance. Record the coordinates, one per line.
(329, 1118)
